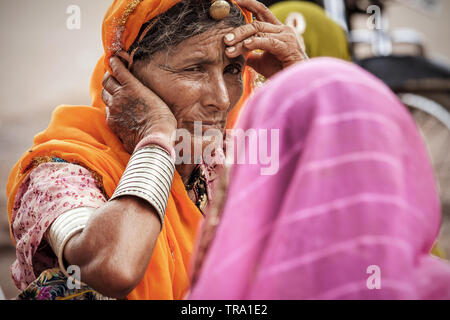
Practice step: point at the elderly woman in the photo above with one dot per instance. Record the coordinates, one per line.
(98, 196)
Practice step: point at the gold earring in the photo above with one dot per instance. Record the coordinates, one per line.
(219, 9)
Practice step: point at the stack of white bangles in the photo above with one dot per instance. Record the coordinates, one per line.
(148, 176)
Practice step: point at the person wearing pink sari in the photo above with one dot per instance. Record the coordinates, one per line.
(352, 212)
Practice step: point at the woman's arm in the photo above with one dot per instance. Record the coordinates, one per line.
(115, 248)
(56, 189)
(49, 190)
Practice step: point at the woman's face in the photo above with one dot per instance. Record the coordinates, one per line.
(196, 79)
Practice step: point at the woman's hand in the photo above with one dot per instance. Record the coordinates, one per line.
(134, 111)
(279, 43)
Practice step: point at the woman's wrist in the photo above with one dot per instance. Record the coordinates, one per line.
(161, 139)
(149, 174)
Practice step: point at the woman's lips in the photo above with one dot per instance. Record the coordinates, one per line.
(205, 125)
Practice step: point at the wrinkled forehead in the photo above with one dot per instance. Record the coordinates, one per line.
(213, 38)
(204, 48)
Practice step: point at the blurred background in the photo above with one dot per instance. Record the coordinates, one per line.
(50, 48)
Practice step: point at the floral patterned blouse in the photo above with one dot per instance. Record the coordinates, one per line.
(51, 188)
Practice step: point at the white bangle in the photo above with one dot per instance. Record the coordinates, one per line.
(64, 228)
(148, 176)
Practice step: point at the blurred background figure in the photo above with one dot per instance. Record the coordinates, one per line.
(321, 35)
(355, 189)
(379, 36)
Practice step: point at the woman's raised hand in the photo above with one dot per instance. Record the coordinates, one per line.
(133, 110)
(280, 45)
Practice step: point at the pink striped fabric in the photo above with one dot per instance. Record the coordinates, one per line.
(354, 191)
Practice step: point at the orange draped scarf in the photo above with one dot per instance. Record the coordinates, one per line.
(79, 134)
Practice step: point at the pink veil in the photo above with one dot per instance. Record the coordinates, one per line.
(352, 212)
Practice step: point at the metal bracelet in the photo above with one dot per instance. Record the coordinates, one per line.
(148, 176)
(64, 228)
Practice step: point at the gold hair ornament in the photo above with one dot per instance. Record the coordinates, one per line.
(219, 9)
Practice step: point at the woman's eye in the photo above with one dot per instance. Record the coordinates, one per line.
(193, 69)
(233, 69)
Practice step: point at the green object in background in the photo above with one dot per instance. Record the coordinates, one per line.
(322, 36)
(438, 252)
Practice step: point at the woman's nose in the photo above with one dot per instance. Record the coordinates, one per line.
(217, 96)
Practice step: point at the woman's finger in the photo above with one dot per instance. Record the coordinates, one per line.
(270, 44)
(261, 12)
(125, 57)
(247, 44)
(236, 50)
(243, 32)
(106, 97)
(120, 72)
(110, 84)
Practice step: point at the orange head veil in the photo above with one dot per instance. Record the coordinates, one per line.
(79, 134)
(120, 29)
